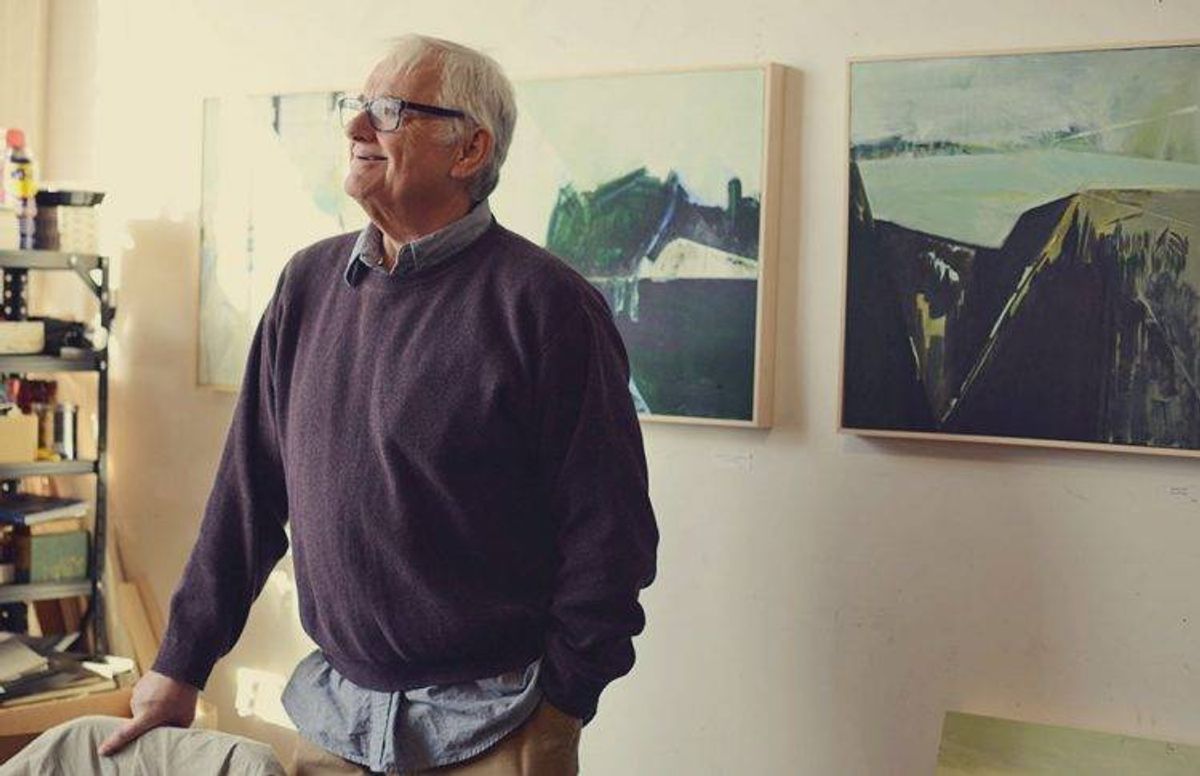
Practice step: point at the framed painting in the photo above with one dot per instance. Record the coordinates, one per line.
(1022, 249)
(659, 188)
(671, 218)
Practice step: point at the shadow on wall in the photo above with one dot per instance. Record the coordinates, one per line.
(167, 437)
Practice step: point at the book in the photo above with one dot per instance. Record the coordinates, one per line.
(30, 509)
(59, 557)
(69, 690)
(55, 526)
(58, 681)
(17, 659)
(37, 668)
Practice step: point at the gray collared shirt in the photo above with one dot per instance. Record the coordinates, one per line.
(423, 252)
(412, 730)
(430, 726)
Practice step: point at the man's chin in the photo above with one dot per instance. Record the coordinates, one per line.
(358, 191)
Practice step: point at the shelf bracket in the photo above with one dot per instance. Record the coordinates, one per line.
(87, 279)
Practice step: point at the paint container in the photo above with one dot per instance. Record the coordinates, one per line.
(66, 428)
(44, 411)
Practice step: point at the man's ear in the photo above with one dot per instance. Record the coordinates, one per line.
(473, 154)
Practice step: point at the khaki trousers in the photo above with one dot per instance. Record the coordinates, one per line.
(547, 744)
(70, 750)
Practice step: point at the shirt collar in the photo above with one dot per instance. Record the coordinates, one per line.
(420, 253)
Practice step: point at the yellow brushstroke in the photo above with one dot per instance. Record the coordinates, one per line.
(932, 327)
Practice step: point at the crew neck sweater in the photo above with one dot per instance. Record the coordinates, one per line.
(462, 469)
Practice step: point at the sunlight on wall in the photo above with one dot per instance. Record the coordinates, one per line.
(259, 695)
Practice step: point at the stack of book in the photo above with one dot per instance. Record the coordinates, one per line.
(32, 670)
(46, 538)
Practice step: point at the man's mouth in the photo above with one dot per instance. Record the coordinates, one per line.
(369, 157)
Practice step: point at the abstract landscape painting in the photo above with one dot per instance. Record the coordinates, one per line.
(271, 184)
(656, 188)
(1023, 240)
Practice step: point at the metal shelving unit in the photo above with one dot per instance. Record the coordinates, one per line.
(15, 471)
(89, 362)
(48, 591)
(93, 271)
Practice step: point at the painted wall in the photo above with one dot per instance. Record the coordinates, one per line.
(822, 599)
(23, 67)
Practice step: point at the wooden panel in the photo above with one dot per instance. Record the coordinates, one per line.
(974, 745)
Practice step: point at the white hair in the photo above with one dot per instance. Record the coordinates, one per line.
(472, 82)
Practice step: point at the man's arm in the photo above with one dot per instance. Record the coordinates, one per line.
(241, 539)
(594, 472)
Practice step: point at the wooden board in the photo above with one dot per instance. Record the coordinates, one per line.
(975, 745)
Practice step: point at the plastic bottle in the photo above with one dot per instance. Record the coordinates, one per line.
(20, 186)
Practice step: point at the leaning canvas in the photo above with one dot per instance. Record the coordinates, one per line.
(271, 184)
(975, 745)
(1023, 236)
(658, 188)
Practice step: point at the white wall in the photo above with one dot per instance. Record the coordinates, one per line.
(23, 50)
(818, 609)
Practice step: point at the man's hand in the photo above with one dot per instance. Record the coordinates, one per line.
(157, 700)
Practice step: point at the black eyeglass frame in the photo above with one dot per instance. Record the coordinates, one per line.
(358, 105)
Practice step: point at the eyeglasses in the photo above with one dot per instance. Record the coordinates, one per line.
(385, 113)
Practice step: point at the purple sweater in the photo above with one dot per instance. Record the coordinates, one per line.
(462, 467)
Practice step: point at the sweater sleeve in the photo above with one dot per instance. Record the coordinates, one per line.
(242, 533)
(594, 470)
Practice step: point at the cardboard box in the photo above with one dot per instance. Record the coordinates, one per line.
(10, 230)
(18, 438)
(21, 724)
(22, 337)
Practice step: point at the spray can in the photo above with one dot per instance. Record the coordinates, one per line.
(66, 431)
(20, 186)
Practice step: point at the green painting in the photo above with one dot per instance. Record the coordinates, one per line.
(1021, 260)
(652, 187)
(975, 745)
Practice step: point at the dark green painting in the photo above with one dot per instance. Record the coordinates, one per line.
(1020, 255)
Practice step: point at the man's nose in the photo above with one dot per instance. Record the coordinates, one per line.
(360, 127)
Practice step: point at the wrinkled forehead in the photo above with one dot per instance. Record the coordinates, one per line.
(418, 81)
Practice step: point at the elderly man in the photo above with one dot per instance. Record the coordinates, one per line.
(441, 410)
